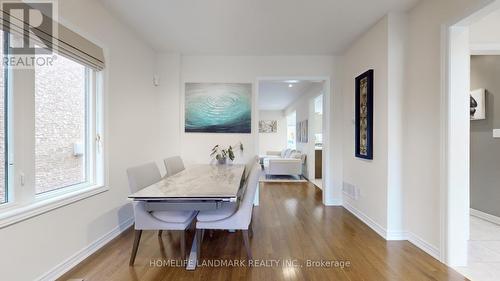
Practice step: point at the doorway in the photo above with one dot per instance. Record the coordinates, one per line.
(297, 105)
(458, 141)
(316, 117)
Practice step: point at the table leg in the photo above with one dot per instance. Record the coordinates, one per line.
(193, 254)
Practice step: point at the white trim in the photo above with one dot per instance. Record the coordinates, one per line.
(20, 213)
(366, 219)
(75, 259)
(485, 216)
(423, 245)
(485, 49)
(389, 235)
(338, 202)
(395, 235)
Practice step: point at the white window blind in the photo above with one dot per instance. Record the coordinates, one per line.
(62, 40)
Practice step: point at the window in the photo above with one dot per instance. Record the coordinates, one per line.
(318, 120)
(51, 150)
(318, 105)
(62, 93)
(291, 130)
(65, 124)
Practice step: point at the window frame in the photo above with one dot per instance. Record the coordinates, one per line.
(22, 200)
(294, 145)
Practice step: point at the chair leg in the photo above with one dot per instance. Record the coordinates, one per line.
(246, 241)
(199, 239)
(137, 239)
(250, 229)
(159, 233)
(183, 244)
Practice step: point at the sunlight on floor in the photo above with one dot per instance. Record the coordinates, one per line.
(484, 251)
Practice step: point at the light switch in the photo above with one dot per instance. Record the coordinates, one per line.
(496, 133)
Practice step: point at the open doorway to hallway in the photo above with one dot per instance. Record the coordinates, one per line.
(291, 130)
(483, 257)
(474, 143)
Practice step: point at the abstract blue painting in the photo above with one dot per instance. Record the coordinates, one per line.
(218, 108)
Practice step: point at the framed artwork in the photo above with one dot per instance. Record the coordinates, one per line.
(364, 116)
(478, 104)
(268, 126)
(218, 108)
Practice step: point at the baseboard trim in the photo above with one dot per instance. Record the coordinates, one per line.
(485, 216)
(392, 235)
(366, 219)
(78, 257)
(336, 202)
(424, 246)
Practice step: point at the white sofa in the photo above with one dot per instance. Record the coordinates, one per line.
(287, 162)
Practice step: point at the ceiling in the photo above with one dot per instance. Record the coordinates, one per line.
(277, 95)
(252, 27)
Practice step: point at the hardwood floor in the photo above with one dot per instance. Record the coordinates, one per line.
(290, 225)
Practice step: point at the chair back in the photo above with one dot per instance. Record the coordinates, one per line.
(252, 184)
(173, 165)
(249, 166)
(143, 176)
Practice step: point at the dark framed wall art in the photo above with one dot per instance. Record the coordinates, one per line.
(364, 115)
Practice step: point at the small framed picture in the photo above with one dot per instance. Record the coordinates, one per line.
(478, 104)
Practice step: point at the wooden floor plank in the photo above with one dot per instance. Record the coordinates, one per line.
(290, 224)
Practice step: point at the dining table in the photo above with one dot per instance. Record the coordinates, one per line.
(199, 187)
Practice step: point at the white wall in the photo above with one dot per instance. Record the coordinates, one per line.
(398, 43)
(304, 108)
(382, 49)
(240, 69)
(423, 117)
(195, 147)
(134, 137)
(248, 69)
(368, 52)
(482, 36)
(273, 141)
(408, 76)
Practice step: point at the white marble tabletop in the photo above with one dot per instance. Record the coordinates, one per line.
(195, 182)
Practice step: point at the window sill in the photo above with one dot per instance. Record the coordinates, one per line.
(17, 214)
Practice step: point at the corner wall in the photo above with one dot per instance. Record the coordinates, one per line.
(379, 199)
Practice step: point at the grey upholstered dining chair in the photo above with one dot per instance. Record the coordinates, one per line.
(140, 177)
(173, 165)
(232, 216)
